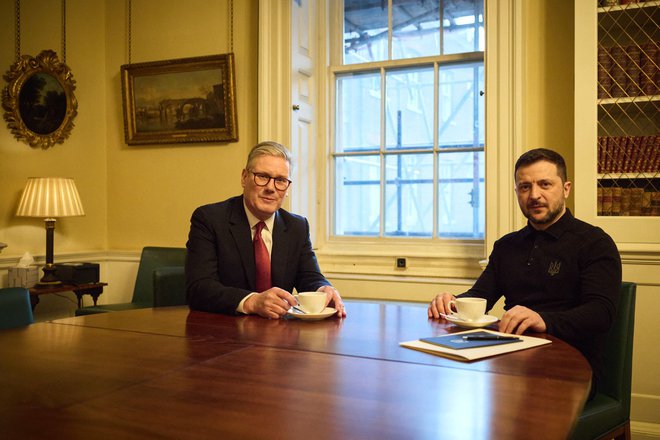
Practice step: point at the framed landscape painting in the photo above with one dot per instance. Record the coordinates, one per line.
(181, 100)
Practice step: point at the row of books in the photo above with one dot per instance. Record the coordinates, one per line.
(628, 71)
(619, 2)
(628, 154)
(616, 201)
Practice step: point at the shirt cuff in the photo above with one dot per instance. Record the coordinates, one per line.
(239, 309)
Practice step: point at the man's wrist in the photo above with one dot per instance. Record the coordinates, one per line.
(245, 306)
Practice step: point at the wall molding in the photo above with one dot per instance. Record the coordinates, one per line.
(376, 266)
(96, 256)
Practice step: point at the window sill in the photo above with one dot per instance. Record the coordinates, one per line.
(437, 260)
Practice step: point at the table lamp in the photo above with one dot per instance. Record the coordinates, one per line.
(49, 198)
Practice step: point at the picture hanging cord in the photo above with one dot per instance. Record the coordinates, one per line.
(64, 31)
(130, 27)
(17, 8)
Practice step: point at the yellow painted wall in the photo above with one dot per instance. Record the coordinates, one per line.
(83, 155)
(133, 196)
(154, 189)
(548, 76)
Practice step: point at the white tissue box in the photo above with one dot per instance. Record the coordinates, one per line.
(23, 276)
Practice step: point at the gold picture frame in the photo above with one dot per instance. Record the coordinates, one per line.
(38, 100)
(180, 100)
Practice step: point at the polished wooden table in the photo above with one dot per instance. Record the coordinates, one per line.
(92, 289)
(172, 373)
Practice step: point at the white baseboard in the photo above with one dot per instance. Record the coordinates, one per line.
(644, 431)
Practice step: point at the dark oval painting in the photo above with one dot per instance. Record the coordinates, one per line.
(42, 103)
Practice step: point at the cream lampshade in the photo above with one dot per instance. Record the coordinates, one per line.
(50, 198)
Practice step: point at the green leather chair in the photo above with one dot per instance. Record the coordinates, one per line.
(15, 307)
(607, 415)
(151, 259)
(169, 286)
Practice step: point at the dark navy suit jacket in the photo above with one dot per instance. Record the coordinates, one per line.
(220, 268)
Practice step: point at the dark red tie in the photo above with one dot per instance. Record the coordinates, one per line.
(261, 259)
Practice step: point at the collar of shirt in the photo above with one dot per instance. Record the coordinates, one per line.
(555, 230)
(266, 233)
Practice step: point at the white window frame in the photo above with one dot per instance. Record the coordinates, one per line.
(435, 63)
(364, 258)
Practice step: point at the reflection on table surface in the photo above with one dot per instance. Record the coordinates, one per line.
(371, 330)
(173, 373)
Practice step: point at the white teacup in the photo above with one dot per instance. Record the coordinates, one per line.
(469, 309)
(311, 302)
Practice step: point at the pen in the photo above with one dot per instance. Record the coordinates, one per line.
(490, 338)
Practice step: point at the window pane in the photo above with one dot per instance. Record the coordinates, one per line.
(409, 109)
(365, 31)
(463, 26)
(415, 29)
(461, 195)
(357, 195)
(409, 195)
(460, 106)
(358, 112)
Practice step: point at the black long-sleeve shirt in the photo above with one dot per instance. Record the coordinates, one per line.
(570, 274)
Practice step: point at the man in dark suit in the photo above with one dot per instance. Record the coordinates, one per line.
(221, 270)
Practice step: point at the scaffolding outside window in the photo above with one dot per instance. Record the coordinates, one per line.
(409, 139)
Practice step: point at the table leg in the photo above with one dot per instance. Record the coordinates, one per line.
(79, 295)
(94, 292)
(34, 300)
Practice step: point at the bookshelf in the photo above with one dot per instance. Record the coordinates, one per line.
(617, 122)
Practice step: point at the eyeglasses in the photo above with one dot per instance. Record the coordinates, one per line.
(281, 183)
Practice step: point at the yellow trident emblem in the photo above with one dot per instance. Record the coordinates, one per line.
(554, 268)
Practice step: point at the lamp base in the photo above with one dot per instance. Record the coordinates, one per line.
(49, 278)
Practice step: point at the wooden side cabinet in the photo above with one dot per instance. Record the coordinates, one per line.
(92, 289)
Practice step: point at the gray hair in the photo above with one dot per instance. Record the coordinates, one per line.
(269, 148)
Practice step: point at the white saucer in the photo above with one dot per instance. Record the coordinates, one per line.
(328, 311)
(483, 322)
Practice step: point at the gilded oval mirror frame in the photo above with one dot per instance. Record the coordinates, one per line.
(38, 100)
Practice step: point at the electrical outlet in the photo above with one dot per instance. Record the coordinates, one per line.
(401, 263)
